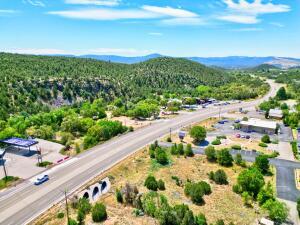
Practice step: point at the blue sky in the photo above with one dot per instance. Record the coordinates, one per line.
(140, 27)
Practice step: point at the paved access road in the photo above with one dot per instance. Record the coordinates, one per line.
(25, 202)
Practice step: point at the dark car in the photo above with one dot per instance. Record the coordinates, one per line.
(41, 179)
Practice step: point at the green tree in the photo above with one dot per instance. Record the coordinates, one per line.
(265, 194)
(80, 217)
(180, 149)
(161, 156)
(266, 139)
(200, 219)
(281, 94)
(188, 218)
(119, 196)
(99, 213)
(224, 158)
(151, 183)
(278, 211)
(262, 163)
(188, 151)
(298, 206)
(161, 185)
(211, 154)
(220, 177)
(251, 180)
(198, 133)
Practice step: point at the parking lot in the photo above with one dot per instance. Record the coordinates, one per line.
(22, 163)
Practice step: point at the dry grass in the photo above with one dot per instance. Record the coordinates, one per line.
(221, 204)
(297, 178)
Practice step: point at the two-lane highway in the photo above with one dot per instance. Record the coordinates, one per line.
(28, 201)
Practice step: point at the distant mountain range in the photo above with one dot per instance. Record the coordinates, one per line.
(230, 62)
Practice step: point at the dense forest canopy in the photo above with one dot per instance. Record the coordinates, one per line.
(33, 84)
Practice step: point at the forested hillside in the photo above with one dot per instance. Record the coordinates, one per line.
(33, 83)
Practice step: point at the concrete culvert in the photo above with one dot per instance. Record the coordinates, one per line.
(103, 186)
(95, 193)
(86, 195)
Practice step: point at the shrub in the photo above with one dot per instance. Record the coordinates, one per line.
(265, 194)
(188, 151)
(263, 145)
(44, 164)
(196, 191)
(119, 196)
(60, 215)
(80, 217)
(278, 211)
(262, 163)
(174, 150)
(211, 175)
(247, 198)
(216, 142)
(161, 185)
(84, 205)
(177, 180)
(237, 189)
(220, 222)
(161, 156)
(72, 222)
(210, 153)
(224, 158)
(220, 177)
(239, 160)
(221, 137)
(99, 213)
(200, 219)
(236, 147)
(266, 139)
(169, 139)
(198, 133)
(180, 149)
(151, 183)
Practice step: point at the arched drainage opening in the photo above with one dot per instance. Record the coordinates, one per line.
(86, 195)
(95, 193)
(103, 186)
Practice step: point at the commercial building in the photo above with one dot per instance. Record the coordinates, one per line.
(258, 125)
(276, 114)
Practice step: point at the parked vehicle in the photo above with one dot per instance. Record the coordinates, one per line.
(237, 135)
(41, 179)
(248, 137)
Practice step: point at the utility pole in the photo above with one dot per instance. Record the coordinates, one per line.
(5, 172)
(220, 112)
(67, 208)
(170, 132)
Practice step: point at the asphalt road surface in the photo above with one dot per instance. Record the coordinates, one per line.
(22, 204)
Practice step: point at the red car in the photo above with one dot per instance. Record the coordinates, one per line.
(237, 135)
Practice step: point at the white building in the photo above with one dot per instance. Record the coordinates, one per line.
(258, 125)
(276, 113)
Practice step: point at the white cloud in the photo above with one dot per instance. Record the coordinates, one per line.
(167, 15)
(245, 19)
(106, 14)
(36, 3)
(245, 12)
(168, 11)
(181, 21)
(256, 7)
(155, 34)
(94, 2)
(8, 11)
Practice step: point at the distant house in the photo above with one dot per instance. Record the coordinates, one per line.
(276, 114)
(258, 125)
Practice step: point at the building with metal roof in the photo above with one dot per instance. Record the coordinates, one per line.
(258, 125)
(276, 114)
